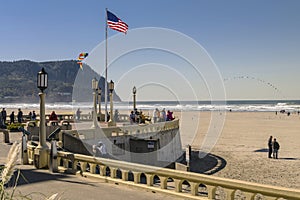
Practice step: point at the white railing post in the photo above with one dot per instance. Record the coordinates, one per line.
(137, 177)
(163, 182)
(124, 175)
(178, 185)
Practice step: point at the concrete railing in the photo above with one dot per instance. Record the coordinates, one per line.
(127, 130)
(146, 128)
(182, 184)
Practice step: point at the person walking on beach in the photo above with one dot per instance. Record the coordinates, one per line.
(276, 147)
(78, 112)
(270, 145)
(12, 117)
(4, 115)
(20, 116)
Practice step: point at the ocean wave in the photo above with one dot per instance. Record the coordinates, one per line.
(175, 106)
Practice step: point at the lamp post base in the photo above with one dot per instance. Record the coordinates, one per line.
(41, 158)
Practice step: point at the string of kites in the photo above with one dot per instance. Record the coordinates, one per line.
(253, 78)
(82, 56)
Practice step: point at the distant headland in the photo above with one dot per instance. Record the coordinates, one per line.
(18, 81)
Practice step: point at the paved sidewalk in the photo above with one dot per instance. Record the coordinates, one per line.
(39, 184)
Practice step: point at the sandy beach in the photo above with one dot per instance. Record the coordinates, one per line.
(242, 144)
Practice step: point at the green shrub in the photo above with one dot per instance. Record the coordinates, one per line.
(15, 127)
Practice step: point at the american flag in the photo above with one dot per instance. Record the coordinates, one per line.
(115, 23)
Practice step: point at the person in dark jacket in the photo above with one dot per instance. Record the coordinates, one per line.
(33, 115)
(12, 117)
(270, 145)
(276, 147)
(4, 115)
(20, 116)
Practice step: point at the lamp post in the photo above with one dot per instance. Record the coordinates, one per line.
(99, 102)
(41, 151)
(134, 97)
(111, 118)
(95, 93)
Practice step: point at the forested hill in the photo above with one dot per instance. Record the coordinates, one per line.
(18, 81)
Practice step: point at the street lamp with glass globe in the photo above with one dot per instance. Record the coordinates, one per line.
(41, 151)
(134, 97)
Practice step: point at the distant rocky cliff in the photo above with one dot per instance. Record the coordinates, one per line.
(18, 81)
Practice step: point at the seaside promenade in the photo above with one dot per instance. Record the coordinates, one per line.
(241, 148)
(40, 184)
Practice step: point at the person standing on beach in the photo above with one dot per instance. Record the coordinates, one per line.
(270, 145)
(163, 115)
(132, 117)
(155, 115)
(276, 147)
(4, 115)
(78, 112)
(30, 115)
(1, 122)
(33, 116)
(12, 117)
(20, 116)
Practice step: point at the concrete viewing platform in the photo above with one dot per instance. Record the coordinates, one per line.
(41, 183)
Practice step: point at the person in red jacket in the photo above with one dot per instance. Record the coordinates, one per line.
(53, 116)
(170, 116)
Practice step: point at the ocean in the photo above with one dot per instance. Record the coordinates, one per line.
(234, 105)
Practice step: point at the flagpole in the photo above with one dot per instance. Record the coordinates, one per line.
(105, 93)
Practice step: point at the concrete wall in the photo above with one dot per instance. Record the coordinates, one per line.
(131, 147)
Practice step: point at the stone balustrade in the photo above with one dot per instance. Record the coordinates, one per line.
(148, 128)
(127, 130)
(181, 184)
(173, 182)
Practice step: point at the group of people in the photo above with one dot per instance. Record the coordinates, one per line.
(32, 116)
(137, 117)
(3, 117)
(161, 116)
(158, 116)
(273, 147)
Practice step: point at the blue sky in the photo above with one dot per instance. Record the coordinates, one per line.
(254, 38)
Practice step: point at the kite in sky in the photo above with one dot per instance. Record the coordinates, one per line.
(80, 58)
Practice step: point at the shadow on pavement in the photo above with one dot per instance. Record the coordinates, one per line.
(30, 176)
